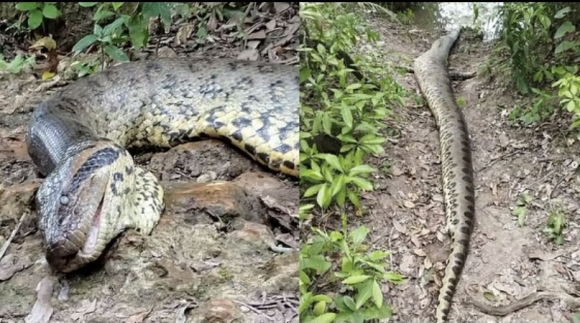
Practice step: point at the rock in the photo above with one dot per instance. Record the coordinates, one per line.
(16, 199)
(281, 272)
(218, 200)
(217, 310)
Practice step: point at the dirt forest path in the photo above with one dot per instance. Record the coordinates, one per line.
(506, 261)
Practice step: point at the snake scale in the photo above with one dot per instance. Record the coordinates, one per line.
(79, 139)
(458, 187)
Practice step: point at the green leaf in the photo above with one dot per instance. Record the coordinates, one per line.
(50, 11)
(571, 106)
(98, 30)
(354, 86)
(322, 298)
(562, 12)
(353, 197)
(332, 160)
(378, 255)
(377, 294)
(138, 31)
(304, 74)
(87, 4)
(324, 318)
(393, 277)
(564, 46)
(349, 302)
(116, 53)
(346, 115)
(304, 277)
(305, 301)
(358, 235)
(565, 28)
(112, 27)
(154, 9)
(102, 14)
(338, 184)
(116, 5)
(361, 169)
(84, 43)
(362, 183)
(26, 6)
(313, 190)
(34, 19)
(355, 279)
(319, 308)
(323, 197)
(316, 262)
(365, 292)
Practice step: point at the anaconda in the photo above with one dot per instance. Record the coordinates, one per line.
(458, 187)
(79, 139)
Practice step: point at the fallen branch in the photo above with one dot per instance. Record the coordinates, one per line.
(12, 235)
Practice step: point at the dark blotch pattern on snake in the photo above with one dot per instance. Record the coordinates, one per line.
(79, 138)
(432, 76)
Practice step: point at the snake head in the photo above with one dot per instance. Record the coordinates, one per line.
(75, 202)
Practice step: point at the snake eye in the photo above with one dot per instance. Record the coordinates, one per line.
(64, 200)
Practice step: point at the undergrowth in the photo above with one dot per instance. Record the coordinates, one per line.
(119, 28)
(539, 45)
(343, 101)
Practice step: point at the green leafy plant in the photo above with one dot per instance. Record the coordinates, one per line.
(555, 226)
(17, 64)
(345, 97)
(358, 272)
(37, 11)
(125, 28)
(521, 209)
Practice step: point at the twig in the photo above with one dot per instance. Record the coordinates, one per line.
(12, 235)
(253, 309)
(495, 160)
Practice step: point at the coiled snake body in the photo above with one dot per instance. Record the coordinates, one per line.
(432, 76)
(79, 138)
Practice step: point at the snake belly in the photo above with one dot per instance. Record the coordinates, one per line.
(79, 139)
(432, 76)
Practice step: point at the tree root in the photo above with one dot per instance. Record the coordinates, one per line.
(519, 304)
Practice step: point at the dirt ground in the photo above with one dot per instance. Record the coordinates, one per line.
(506, 261)
(215, 255)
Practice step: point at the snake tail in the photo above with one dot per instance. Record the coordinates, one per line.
(458, 187)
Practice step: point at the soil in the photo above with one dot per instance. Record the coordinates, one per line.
(225, 248)
(406, 212)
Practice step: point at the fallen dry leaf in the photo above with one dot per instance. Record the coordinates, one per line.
(257, 35)
(271, 24)
(408, 204)
(183, 34)
(281, 6)
(8, 270)
(42, 309)
(139, 317)
(249, 55)
(253, 44)
(45, 42)
(399, 227)
(420, 252)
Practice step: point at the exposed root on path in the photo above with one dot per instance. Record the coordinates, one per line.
(519, 304)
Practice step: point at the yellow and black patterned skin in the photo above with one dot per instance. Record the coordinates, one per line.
(458, 187)
(79, 138)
